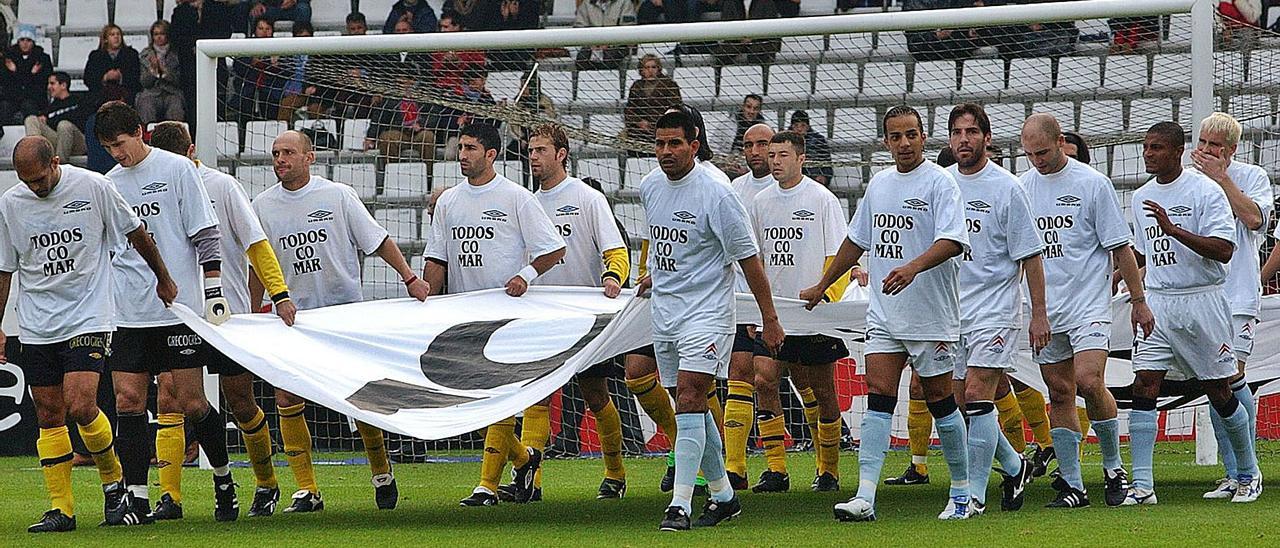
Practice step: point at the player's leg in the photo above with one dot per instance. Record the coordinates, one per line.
(84, 359)
(595, 392)
(1091, 368)
(885, 360)
(772, 426)
(1143, 426)
(642, 380)
(987, 444)
(296, 438)
(821, 379)
(1058, 371)
(919, 434)
(44, 372)
(1010, 415)
(1209, 353)
(1235, 419)
(237, 389)
(1242, 344)
(934, 363)
(535, 433)
(385, 491)
(739, 415)
(132, 353)
(1035, 410)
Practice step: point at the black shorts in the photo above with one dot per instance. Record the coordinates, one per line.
(220, 364)
(742, 341)
(646, 351)
(810, 349)
(45, 364)
(155, 350)
(608, 369)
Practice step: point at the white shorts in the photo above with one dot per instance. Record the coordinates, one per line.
(990, 348)
(1192, 338)
(928, 358)
(1063, 346)
(700, 353)
(1243, 342)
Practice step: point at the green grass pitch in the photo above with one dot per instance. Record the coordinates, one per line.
(429, 515)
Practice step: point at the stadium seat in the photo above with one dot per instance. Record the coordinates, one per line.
(737, 81)
(891, 44)
(504, 85)
(632, 216)
(90, 14)
(135, 14)
(1253, 111)
(1030, 76)
(856, 44)
(259, 134)
(511, 169)
(1079, 74)
(1264, 67)
(334, 13)
(405, 180)
(376, 11)
(608, 125)
(934, 78)
(445, 174)
(353, 133)
(8, 179)
(881, 81)
(1228, 68)
(255, 179)
(329, 125)
(1270, 157)
(73, 52)
(557, 85)
(697, 84)
(319, 169)
(1180, 28)
(1126, 159)
(12, 134)
(599, 87)
(228, 139)
(721, 127)
(836, 82)
(1063, 111)
(402, 226)
(1143, 113)
(855, 124)
(362, 177)
(847, 179)
(637, 168)
(42, 12)
(1006, 119)
(605, 170)
(1169, 71)
(882, 160)
(791, 82)
(982, 77)
(1097, 117)
(1126, 72)
(802, 46)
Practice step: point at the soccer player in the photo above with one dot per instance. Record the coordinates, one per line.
(799, 225)
(321, 228)
(1003, 244)
(697, 230)
(1079, 220)
(595, 256)
(483, 235)
(242, 237)
(1248, 191)
(911, 221)
(165, 191)
(58, 233)
(1188, 237)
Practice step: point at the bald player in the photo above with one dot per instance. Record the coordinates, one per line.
(321, 229)
(58, 232)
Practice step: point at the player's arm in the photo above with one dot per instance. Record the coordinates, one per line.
(837, 289)
(753, 271)
(5, 279)
(268, 277)
(390, 252)
(617, 266)
(899, 278)
(1209, 247)
(1034, 268)
(1272, 265)
(519, 283)
(539, 236)
(141, 241)
(1127, 264)
(844, 259)
(1242, 206)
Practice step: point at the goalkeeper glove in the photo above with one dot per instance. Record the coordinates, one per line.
(216, 308)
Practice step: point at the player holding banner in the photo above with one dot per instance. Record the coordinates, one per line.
(58, 233)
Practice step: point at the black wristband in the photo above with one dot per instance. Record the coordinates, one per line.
(212, 266)
(611, 275)
(280, 297)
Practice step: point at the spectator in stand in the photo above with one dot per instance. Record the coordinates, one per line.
(299, 93)
(113, 70)
(604, 13)
(298, 11)
(817, 163)
(749, 114)
(261, 80)
(421, 16)
(648, 98)
(940, 44)
(1033, 40)
(26, 75)
(448, 67)
(474, 14)
(757, 51)
(473, 90)
(197, 20)
(515, 15)
(401, 124)
(161, 96)
(535, 104)
(62, 119)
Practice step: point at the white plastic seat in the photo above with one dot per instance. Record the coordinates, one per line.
(135, 14)
(334, 12)
(793, 82)
(401, 224)
(1144, 113)
(837, 81)
(511, 169)
(1079, 73)
(9, 179)
(405, 180)
(90, 14)
(801, 45)
(721, 127)
(935, 78)
(1253, 111)
(445, 174)
(228, 139)
(255, 179)
(855, 123)
(599, 86)
(696, 83)
(12, 134)
(503, 85)
(43, 12)
(605, 170)
(1030, 76)
(636, 169)
(632, 216)
(1126, 72)
(73, 52)
(883, 80)
(848, 178)
(982, 76)
(1126, 160)
(557, 85)
(738, 81)
(329, 125)
(1262, 67)
(353, 133)
(608, 125)
(1270, 157)
(260, 134)
(362, 177)
(1006, 119)
(1101, 117)
(1228, 68)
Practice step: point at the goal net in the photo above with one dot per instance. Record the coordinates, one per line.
(384, 114)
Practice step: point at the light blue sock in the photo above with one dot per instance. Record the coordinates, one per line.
(1225, 450)
(955, 449)
(1242, 392)
(1009, 458)
(1109, 440)
(1142, 446)
(713, 462)
(1066, 445)
(691, 438)
(1242, 442)
(984, 429)
(876, 426)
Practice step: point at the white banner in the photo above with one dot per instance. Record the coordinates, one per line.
(458, 363)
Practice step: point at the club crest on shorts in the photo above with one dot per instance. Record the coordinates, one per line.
(942, 351)
(997, 344)
(1246, 332)
(711, 353)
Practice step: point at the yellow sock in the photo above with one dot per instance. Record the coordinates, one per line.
(810, 413)
(98, 440)
(171, 451)
(919, 430)
(1011, 421)
(297, 446)
(257, 442)
(54, 448)
(739, 410)
(829, 447)
(1033, 408)
(773, 435)
(375, 448)
(1083, 416)
(609, 426)
(497, 440)
(656, 403)
(717, 410)
(535, 432)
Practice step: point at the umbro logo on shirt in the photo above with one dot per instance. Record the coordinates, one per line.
(1179, 211)
(979, 206)
(802, 215)
(1068, 200)
(319, 215)
(75, 206)
(916, 204)
(566, 210)
(493, 215)
(154, 188)
(683, 216)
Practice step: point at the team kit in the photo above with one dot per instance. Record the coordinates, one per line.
(960, 262)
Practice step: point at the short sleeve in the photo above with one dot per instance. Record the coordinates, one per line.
(8, 252)
(366, 233)
(118, 219)
(1108, 220)
(833, 225)
(1217, 221)
(1020, 226)
(1258, 188)
(540, 235)
(949, 223)
(193, 200)
(860, 226)
(732, 227)
(607, 233)
(1139, 234)
(245, 227)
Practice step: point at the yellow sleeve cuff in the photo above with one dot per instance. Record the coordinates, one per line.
(617, 264)
(264, 262)
(837, 289)
(644, 258)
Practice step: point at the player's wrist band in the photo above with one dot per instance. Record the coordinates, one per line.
(212, 287)
(611, 276)
(280, 297)
(410, 281)
(529, 273)
(211, 266)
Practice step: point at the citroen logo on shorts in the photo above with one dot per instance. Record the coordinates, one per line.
(710, 353)
(996, 344)
(1224, 349)
(1246, 332)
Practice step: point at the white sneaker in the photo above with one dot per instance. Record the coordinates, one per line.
(855, 509)
(957, 508)
(1247, 491)
(1137, 496)
(1226, 489)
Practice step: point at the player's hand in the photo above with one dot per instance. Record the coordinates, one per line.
(287, 311)
(861, 276)
(898, 279)
(1039, 332)
(1210, 165)
(167, 291)
(1157, 212)
(751, 331)
(420, 288)
(812, 296)
(216, 308)
(612, 288)
(773, 335)
(516, 286)
(642, 288)
(1141, 316)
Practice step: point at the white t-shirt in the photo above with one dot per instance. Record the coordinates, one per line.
(797, 229)
(318, 233)
(1244, 289)
(240, 229)
(900, 216)
(1002, 234)
(747, 187)
(60, 248)
(487, 233)
(581, 216)
(166, 192)
(1196, 204)
(697, 230)
(1079, 220)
